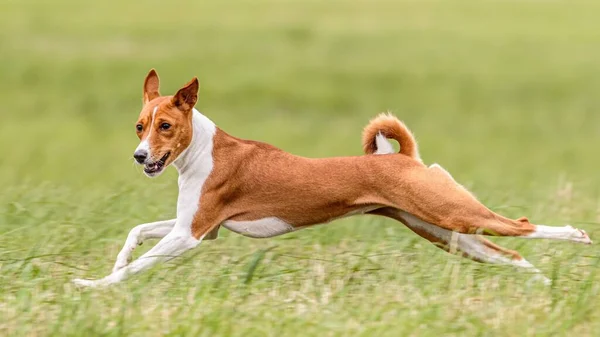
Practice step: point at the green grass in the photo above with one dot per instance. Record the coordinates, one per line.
(504, 94)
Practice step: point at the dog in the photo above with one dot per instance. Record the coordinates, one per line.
(260, 191)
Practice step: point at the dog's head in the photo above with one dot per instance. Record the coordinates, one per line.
(165, 125)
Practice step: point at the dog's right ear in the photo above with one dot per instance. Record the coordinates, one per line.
(151, 85)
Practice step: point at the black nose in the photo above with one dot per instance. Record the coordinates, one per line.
(140, 156)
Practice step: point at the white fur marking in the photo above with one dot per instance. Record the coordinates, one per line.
(559, 233)
(171, 246)
(456, 240)
(194, 165)
(469, 244)
(261, 228)
(137, 236)
(144, 145)
(272, 226)
(436, 166)
(383, 145)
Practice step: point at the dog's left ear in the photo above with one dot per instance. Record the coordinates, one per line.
(186, 97)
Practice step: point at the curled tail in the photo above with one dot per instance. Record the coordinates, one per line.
(384, 126)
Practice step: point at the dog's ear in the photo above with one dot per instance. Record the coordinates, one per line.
(151, 85)
(186, 97)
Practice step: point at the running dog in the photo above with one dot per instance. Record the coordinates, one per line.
(260, 191)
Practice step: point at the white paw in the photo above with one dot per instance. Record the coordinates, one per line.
(86, 283)
(579, 235)
(541, 278)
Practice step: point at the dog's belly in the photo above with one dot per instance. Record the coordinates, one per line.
(261, 228)
(273, 226)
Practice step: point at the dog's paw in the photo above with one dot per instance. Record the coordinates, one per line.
(81, 283)
(539, 278)
(579, 235)
(104, 282)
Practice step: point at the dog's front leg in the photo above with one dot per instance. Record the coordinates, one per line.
(178, 241)
(137, 236)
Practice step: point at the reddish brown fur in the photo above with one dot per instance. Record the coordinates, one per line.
(387, 124)
(390, 127)
(175, 110)
(443, 244)
(151, 87)
(253, 180)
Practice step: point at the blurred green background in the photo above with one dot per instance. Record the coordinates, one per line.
(503, 94)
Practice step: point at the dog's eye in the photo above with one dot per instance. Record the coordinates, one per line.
(139, 128)
(165, 126)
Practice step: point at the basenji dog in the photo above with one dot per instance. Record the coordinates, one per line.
(260, 191)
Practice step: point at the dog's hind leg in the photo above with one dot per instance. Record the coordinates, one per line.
(474, 247)
(500, 226)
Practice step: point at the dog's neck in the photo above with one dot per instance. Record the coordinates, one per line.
(194, 166)
(198, 155)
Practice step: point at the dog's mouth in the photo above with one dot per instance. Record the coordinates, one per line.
(154, 168)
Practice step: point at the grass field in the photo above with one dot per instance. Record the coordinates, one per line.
(504, 94)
